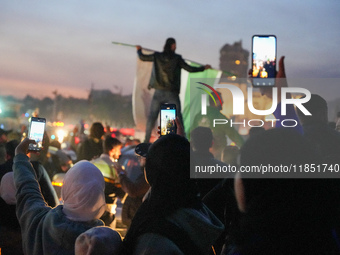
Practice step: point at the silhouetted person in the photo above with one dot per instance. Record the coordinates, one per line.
(135, 189)
(166, 80)
(172, 220)
(201, 143)
(220, 132)
(316, 129)
(283, 215)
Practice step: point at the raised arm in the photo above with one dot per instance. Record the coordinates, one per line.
(192, 69)
(142, 56)
(31, 206)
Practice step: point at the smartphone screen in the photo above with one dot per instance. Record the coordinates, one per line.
(167, 119)
(36, 132)
(264, 60)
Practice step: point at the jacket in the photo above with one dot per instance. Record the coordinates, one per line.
(45, 230)
(166, 70)
(202, 227)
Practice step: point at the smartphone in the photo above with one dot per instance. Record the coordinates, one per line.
(264, 49)
(167, 119)
(36, 132)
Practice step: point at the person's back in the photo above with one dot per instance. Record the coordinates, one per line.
(201, 143)
(166, 80)
(172, 220)
(283, 215)
(167, 71)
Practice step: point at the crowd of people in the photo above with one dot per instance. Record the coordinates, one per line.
(167, 211)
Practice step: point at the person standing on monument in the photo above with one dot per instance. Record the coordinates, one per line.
(165, 79)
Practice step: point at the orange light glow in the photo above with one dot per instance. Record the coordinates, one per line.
(58, 184)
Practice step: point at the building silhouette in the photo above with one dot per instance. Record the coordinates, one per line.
(234, 59)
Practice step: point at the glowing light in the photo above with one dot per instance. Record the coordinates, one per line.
(27, 115)
(237, 62)
(58, 124)
(52, 137)
(61, 135)
(243, 131)
(58, 184)
(113, 209)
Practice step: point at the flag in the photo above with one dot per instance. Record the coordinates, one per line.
(190, 97)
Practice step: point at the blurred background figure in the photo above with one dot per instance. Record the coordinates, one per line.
(107, 164)
(202, 143)
(220, 132)
(230, 155)
(135, 186)
(93, 146)
(4, 135)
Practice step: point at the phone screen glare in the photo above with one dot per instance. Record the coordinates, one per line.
(264, 58)
(37, 133)
(168, 117)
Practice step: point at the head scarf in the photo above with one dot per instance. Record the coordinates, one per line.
(83, 192)
(7, 189)
(98, 240)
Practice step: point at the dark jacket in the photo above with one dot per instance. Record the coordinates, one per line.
(166, 70)
(90, 149)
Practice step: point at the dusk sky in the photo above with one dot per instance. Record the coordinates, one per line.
(66, 45)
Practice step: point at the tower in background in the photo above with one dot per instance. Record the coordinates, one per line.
(234, 59)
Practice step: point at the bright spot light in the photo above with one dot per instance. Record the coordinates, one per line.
(237, 62)
(0, 110)
(52, 137)
(27, 115)
(113, 209)
(61, 135)
(243, 131)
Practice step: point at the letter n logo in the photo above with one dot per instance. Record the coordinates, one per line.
(204, 97)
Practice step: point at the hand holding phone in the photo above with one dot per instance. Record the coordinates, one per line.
(264, 49)
(36, 133)
(168, 119)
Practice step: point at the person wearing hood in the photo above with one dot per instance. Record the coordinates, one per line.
(172, 219)
(47, 230)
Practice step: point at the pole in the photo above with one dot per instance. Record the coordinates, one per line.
(134, 46)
